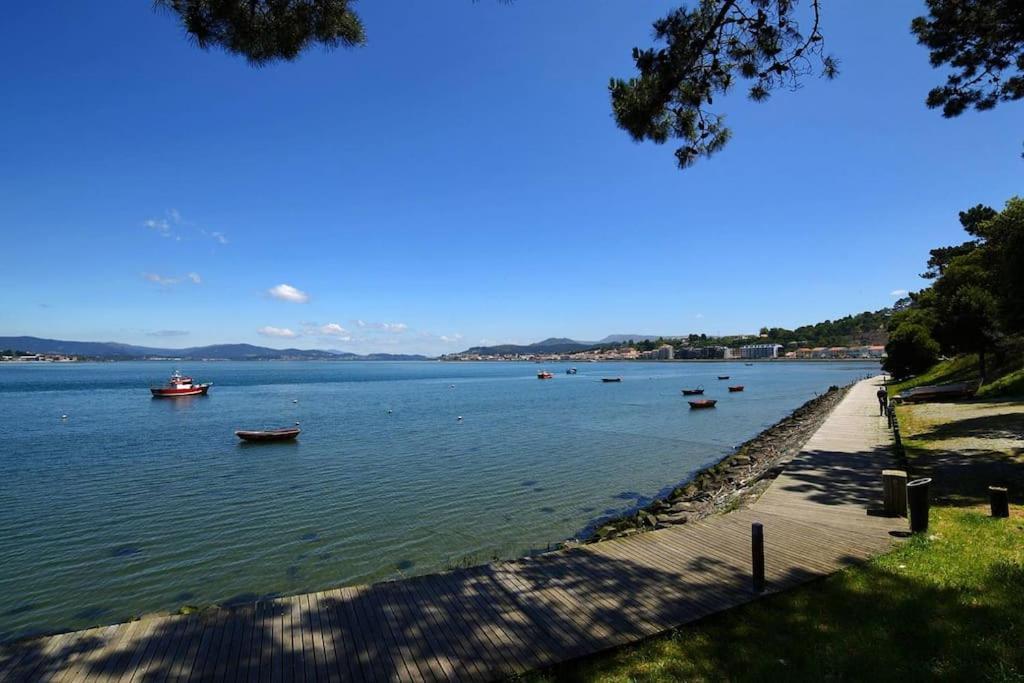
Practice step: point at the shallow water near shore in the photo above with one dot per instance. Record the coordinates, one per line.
(133, 504)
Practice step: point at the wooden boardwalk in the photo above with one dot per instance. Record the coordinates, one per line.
(491, 621)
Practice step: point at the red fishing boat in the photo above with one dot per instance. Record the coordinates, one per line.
(179, 385)
(703, 403)
(738, 387)
(544, 374)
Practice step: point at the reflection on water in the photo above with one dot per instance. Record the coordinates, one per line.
(130, 504)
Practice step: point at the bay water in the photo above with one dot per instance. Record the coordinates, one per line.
(132, 504)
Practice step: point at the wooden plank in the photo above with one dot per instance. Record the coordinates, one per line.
(450, 658)
(341, 640)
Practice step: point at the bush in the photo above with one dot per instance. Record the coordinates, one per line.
(910, 351)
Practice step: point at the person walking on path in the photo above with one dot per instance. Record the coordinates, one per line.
(883, 400)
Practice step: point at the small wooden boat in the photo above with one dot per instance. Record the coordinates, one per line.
(263, 435)
(702, 403)
(611, 379)
(723, 377)
(738, 387)
(544, 374)
(694, 392)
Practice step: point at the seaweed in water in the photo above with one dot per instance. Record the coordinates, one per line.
(405, 565)
(126, 550)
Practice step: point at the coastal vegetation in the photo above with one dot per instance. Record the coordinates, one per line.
(975, 304)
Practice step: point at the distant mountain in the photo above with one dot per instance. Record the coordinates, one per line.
(116, 351)
(551, 345)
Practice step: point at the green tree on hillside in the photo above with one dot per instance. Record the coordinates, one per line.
(910, 351)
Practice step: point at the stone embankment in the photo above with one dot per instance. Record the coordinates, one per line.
(735, 481)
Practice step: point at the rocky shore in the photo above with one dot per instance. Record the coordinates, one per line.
(735, 481)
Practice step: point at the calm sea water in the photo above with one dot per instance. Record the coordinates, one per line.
(134, 504)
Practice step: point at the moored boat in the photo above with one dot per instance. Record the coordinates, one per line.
(694, 392)
(264, 435)
(571, 371)
(544, 374)
(702, 403)
(180, 385)
(611, 379)
(738, 387)
(723, 377)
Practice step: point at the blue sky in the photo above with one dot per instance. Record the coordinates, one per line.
(458, 180)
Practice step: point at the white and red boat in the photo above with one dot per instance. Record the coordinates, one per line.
(179, 385)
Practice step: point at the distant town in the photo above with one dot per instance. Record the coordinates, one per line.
(668, 351)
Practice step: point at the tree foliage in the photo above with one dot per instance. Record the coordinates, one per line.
(910, 351)
(983, 42)
(976, 303)
(267, 30)
(707, 50)
(709, 47)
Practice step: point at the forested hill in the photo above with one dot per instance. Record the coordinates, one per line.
(865, 328)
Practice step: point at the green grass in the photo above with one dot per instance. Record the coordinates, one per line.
(948, 605)
(1002, 381)
(1011, 384)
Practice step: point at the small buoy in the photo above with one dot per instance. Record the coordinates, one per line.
(451, 386)
(389, 411)
(296, 424)
(459, 418)
(63, 417)
(295, 400)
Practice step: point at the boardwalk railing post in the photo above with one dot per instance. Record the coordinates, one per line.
(1000, 499)
(890, 414)
(917, 496)
(894, 492)
(757, 548)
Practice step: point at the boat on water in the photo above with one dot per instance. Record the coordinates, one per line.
(544, 374)
(611, 379)
(738, 387)
(723, 377)
(748, 364)
(180, 385)
(265, 435)
(694, 392)
(702, 403)
(571, 371)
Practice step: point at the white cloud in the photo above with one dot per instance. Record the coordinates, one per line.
(167, 333)
(334, 330)
(160, 279)
(699, 316)
(387, 327)
(288, 293)
(194, 277)
(450, 338)
(898, 293)
(269, 331)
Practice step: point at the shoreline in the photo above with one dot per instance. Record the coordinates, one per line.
(733, 482)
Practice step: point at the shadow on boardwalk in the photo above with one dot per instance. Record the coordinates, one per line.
(478, 624)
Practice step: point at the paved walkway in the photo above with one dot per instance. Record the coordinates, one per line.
(492, 621)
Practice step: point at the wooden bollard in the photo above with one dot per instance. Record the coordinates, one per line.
(896, 437)
(894, 492)
(1000, 500)
(890, 414)
(757, 551)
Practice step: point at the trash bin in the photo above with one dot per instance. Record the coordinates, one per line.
(917, 500)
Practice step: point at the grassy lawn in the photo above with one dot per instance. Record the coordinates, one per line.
(949, 605)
